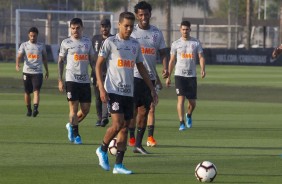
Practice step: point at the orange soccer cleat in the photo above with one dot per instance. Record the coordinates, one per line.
(131, 141)
(151, 141)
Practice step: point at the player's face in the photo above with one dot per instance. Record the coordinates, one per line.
(105, 30)
(76, 30)
(185, 31)
(125, 28)
(143, 17)
(32, 37)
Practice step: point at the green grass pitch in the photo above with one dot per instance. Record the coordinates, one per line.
(237, 125)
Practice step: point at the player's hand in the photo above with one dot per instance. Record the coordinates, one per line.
(165, 74)
(277, 52)
(18, 67)
(47, 75)
(155, 97)
(61, 85)
(167, 82)
(203, 73)
(104, 95)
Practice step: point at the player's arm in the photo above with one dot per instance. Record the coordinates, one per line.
(276, 51)
(202, 64)
(60, 73)
(92, 61)
(144, 74)
(164, 60)
(45, 63)
(100, 82)
(170, 69)
(18, 60)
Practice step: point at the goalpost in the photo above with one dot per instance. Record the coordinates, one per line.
(53, 25)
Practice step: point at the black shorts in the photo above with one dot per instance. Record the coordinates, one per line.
(122, 105)
(186, 86)
(142, 93)
(32, 82)
(78, 92)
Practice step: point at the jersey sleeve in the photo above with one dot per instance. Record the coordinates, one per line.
(105, 49)
(63, 50)
(173, 49)
(21, 49)
(200, 48)
(162, 42)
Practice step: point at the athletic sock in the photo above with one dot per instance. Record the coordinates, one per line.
(35, 107)
(139, 137)
(182, 122)
(28, 108)
(151, 130)
(189, 115)
(119, 157)
(75, 130)
(104, 147)
(131, 132)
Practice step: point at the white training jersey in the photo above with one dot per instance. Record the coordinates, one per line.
(121, 56)
(151, 41)
(186, 52)
(77, 52)
(32, 56)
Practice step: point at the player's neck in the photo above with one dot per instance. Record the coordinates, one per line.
(123, 37)
(186, 38)
(144, 27)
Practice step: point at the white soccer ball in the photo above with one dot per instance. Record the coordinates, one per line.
(205, 171)
(113, 147)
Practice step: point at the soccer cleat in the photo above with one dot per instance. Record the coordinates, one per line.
(35, 113)
(151, 142)
(140, 150)
(103, 159)
(188, 121)
(70, 133)
(120, 169)
(104, 122)
(131, 141)
(77, 140)
(28, 113)
(98, 123)
(182, 127)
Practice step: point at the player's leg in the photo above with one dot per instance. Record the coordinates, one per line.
(151, 126)
(84, 110)
(191, 95)
(73, 132)
(37, 81)
(28, 90)
(180, 111)
(98, 105)
(119, 167)
(84, 97)
(131, 129)
(141, 123)
(105, 114)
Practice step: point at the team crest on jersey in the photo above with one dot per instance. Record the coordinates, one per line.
(69, 95)
(86, 46)
(193, 46)
(134, 50)
(115, 106)
(155, 37)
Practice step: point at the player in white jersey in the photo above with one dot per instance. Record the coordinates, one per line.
(34, 54)
(78, 53)
(121, 53)
(152, 42)
(185, 51)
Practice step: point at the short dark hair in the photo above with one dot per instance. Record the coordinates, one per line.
(185, 23)
(126, 15)
(33, 30)
(76, 21)
(143, 5)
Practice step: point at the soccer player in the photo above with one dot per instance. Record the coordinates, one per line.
(121, 53)
(78, 52)
(185, 50)
(34, 54)
(152, 41)
(97, 41)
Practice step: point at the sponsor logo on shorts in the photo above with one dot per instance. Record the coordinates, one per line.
(115, 106)
(69, 96)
